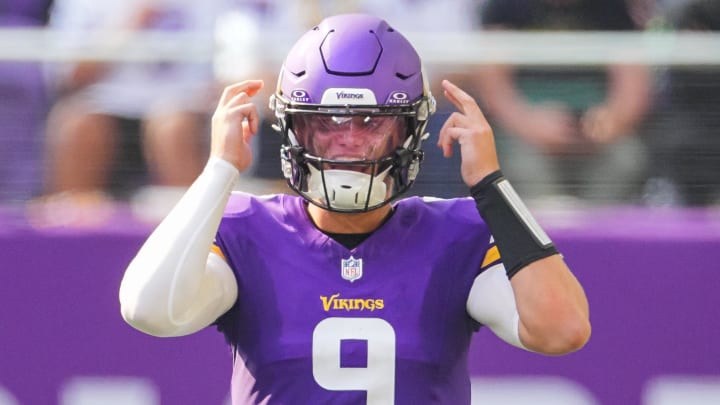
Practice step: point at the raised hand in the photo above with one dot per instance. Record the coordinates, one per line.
(234, 123)
(469, 128)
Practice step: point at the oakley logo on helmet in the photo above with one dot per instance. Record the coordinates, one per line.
(349, 96)
(300, 96)
(398, 97)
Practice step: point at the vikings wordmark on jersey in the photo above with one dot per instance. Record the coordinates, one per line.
(398, 332)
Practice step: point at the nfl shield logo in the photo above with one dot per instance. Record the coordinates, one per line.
(351, 269)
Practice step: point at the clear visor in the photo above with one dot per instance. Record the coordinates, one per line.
(349, 137)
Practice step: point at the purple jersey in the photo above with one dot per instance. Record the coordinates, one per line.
(383, 323)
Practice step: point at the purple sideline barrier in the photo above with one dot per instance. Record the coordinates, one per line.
(651, 278)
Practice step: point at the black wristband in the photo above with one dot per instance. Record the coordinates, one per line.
(518, 236)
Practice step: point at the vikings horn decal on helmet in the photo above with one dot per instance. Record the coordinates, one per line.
(352, 104)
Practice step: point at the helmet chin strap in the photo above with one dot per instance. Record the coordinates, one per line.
(347, 189)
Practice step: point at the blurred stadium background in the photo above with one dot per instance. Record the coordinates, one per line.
(649, 261)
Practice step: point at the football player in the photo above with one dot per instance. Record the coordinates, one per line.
(345, 293)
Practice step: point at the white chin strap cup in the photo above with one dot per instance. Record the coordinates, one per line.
(347, 189)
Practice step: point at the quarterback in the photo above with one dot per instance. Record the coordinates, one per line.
(345, 292)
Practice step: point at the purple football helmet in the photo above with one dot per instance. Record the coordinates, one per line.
(352, 104)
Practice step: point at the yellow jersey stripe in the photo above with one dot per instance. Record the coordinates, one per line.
(216, 249)
(492, 255)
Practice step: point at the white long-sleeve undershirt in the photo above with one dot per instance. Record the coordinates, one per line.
(491, 302)
(174, 286)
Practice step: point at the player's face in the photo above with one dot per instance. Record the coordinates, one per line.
(350, 137)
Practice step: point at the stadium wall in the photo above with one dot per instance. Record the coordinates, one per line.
(651, 278)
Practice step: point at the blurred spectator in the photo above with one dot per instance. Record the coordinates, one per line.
(568, 132)
(23, 106)
(685, 144)
(117, 126)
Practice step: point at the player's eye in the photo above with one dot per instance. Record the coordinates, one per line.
(368, 124)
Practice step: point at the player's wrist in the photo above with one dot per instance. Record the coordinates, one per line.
(479, 174)
(518, 236)
(222, 162)
(220, 168)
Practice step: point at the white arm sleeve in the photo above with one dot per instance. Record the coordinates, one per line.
(175, 286)
(492, 303)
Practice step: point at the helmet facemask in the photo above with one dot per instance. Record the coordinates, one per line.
(342, 150)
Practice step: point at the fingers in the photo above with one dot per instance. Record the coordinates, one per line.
(452, 92)
(234, 123)
(462, 100)
(249, 87)
(451, 131)
(249, 112)
(248, 132)
(469, 128)
(239, 104)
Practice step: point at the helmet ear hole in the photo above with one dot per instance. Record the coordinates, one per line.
(293, 164)
(405, 167)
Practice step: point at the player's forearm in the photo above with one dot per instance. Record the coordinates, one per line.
(551, 304)
(553, 309)
(169, 283)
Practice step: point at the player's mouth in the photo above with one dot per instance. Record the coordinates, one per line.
(363, 168)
